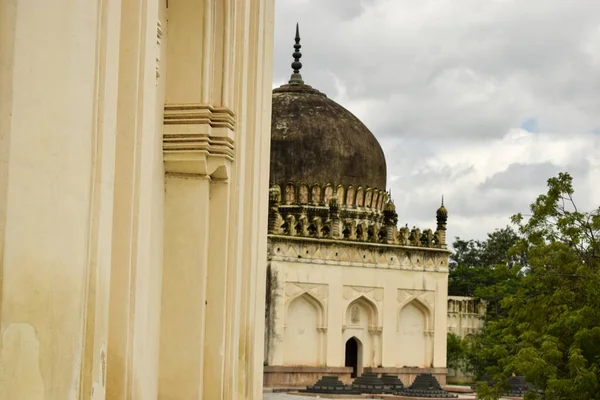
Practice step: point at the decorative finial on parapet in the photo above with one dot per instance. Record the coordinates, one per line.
(442, 216)
(442, 219)
(297, 65)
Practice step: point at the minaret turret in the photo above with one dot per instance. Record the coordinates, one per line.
(442, 219)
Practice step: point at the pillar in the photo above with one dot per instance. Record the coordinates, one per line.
(57, 150)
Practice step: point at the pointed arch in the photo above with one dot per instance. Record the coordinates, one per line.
(340, 193)
(372, 309)
(311, 299)
(414, 334)
(303, 331)
(424, 308)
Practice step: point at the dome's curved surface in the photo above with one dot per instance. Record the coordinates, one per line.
(316, 140)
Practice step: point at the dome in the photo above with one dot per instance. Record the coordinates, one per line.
(316, 140)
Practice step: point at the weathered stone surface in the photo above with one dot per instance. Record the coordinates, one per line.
(316, 140)
(425, 385)
(332, 385)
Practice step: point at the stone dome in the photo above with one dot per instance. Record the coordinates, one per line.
(316, 140)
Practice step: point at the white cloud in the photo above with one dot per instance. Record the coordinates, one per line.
(485, 182)
(450, 86)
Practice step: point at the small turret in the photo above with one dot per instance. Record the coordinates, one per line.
(442, 219)
(390, 220)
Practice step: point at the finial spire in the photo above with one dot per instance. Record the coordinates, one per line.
(442, 200)
(297, 65)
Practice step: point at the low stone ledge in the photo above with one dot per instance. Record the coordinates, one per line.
(408, 374)
(301, 376)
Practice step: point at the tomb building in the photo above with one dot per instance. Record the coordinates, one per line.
(348, 292)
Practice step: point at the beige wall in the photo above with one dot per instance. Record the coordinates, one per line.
(59, 91)
(465, 315)
(400, 296)
(90, 224)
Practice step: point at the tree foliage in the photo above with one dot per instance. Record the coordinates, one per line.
(548, 325)
(485, 269)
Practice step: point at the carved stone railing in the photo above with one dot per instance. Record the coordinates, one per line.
(311, 212)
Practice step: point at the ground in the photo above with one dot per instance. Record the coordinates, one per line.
(284, 396)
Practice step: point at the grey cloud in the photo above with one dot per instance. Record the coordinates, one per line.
(430, 75)
(528, 57)
(521, 176)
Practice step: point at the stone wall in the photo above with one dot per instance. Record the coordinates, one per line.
(390, 299)
(134, 155)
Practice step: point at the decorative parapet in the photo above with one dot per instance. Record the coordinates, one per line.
(283, 248)
(346, 213)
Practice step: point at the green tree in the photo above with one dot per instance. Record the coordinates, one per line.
(549, 327)
(486, 269)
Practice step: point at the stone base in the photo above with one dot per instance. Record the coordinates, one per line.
(302, 376)
(408, 375)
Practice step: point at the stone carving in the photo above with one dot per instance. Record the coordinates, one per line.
(340, 195)
(290, 225)
(361, 231)
(316, 195)
(275, 219)
(370, 297)
(342, 220)
(404, 236)
(317, 224)
(359, 197)
(355, 315)
(368, 198)
(303, 194)
(318, 290)
(330, 252)
(302, 225)
(427, 238)
(415, 237)
(290, 195)
(380, 202)
(350, 230)
(375, 199)
(350, 196)
(328, 194)
(425, 297)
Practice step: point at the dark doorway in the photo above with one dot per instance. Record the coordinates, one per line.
(352, 355)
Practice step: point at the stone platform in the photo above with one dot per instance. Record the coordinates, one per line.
(302, 376)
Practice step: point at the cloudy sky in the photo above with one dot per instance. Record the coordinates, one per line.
(481, 101)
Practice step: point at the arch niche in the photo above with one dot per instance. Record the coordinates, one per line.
(361, 323)
(414, 335)
(304, 339)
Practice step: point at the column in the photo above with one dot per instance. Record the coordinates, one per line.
(57, 134)
(216, 290)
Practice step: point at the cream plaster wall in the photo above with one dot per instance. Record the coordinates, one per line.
(94, 205)
(301, 335)
(381, 280)
(465, 315)
(216, 142)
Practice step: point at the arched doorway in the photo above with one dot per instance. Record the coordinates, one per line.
(354, 356)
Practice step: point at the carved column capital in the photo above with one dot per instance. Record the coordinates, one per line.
(375, 330)
(198, 139)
